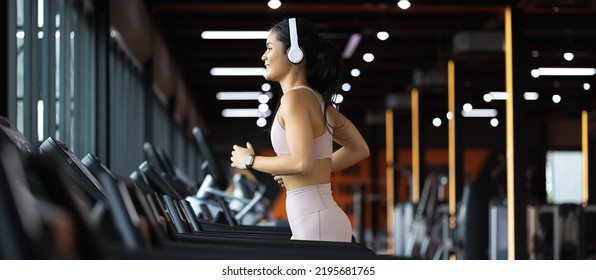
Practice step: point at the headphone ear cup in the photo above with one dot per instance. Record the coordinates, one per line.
(295, 55)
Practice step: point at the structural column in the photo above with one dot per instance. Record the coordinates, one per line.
(4, 54)
(455, 150)
(416, 154)
(390, 174)
(102, 31)
(515, 134)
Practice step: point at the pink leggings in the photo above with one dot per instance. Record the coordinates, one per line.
(314, 215)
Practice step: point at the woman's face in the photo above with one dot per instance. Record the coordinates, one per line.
(276, 63)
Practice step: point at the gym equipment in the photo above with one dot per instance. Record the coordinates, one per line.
(247, 198)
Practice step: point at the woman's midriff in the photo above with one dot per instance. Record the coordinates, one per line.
(320, 174)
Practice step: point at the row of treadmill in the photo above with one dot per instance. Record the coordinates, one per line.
(54, 205)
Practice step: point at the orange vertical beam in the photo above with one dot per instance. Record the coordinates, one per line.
(415, 195)
(509, 135)
(451, 120)
(389, 149)
(585, 166)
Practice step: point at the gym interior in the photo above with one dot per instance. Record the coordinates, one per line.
(118, 119)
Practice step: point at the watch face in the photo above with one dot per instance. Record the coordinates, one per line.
(249, 160)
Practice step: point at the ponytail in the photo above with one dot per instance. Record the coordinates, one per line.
(324, 73)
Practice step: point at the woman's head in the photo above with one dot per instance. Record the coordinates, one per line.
(322, 59)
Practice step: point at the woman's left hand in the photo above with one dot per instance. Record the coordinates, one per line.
(280, 180)
(239, 155)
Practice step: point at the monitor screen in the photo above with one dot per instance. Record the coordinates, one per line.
(95, 166)
(162, 164)
(214, 167)
(85, 179)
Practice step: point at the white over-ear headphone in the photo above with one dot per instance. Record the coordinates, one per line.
(294, 53)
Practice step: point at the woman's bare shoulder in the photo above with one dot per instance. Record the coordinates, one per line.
(298, 97)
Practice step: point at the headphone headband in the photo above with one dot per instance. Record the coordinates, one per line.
(294, 53)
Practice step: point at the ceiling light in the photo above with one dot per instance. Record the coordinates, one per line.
(586, 86)
(502, 95)
(346, 87)
(467, 107)
(498, 95)
(261, 35)
(535, 53)
(382, 35)
(403, 4)
(241, 113)
(355, 72)
(237, 71)
(556, 98)
(449, 115)
(480, 113)
(351, 46)
(568, 56)
(368, 57)
(261, 122)
(337, 98)
(263, 107)
(531, 95)
(274, 4)
(494, 122)
(535, 73)
(559, 71)
(238, 95)
(437, 122)
(487, 97)
(266, 87)
(263, 98)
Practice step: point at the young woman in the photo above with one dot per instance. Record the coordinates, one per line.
(308, 69)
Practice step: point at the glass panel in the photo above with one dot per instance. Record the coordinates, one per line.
(20, 14)
(58, 75)
(20, 108)
(40, 109)
(564, 177)
(40, 11)
(38, 66)
(72, 77)
(58, 119)
(20, 82)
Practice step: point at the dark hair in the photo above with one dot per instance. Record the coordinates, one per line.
(322, 57)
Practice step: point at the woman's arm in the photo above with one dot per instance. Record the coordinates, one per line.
(353, 146)
(295, 111)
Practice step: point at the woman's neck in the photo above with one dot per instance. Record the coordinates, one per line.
(293, 81)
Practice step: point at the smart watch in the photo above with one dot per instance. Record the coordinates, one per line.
(249, 160)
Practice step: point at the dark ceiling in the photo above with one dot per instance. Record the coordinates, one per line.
(421, 40)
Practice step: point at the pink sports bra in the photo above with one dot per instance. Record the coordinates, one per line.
(322, 145)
